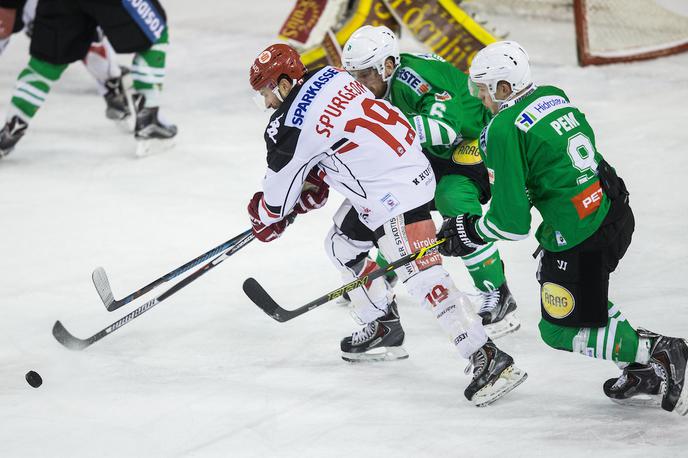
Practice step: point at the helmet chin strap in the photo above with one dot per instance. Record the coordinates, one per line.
(276, 91)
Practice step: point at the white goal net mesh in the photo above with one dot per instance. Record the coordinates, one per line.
(626, 27)
(615, 28)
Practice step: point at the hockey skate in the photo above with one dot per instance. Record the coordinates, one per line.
(638, 385)
(10, 134)
(151, 133)
(494, 375)
(380, 340)
(669, 358)
(498, 311)
(116, 100)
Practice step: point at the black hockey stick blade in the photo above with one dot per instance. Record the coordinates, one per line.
(74, 343)
(262, 299)
(67, 339)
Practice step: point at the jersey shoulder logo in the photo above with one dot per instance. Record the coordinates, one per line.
(443, 97)
(273, 128)
(538, 109)
(413, 80)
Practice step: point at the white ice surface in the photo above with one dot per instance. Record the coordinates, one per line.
(206, 373)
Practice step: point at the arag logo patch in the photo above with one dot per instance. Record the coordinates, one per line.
(467, 153)
(557, 301)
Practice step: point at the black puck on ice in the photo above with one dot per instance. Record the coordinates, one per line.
(34, 379)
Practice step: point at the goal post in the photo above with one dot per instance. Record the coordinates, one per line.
(607, 31)
(611, 31)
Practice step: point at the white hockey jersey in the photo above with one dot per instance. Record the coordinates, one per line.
(367, 148)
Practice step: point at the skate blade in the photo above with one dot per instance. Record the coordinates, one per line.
(640, 401)
(510, 323)
(151, 147)
(376, 354)
(509, 379)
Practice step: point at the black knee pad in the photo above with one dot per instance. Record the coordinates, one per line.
(574, 287)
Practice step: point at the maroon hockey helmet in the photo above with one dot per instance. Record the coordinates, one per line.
(276, 60)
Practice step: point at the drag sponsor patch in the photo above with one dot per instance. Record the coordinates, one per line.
(557, 301)
(467, 153)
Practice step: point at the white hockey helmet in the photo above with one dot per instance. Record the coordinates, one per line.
(370, 47)
(500, 61)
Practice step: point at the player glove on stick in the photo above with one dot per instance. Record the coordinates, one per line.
(261, 231)
(462, 238)
(314, 195)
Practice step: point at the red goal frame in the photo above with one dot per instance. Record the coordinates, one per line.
(586, 57)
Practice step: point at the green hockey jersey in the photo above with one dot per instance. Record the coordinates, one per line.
(434, 96)
(540, 151)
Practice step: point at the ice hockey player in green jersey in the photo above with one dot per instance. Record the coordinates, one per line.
(433, 94)
(541, 152)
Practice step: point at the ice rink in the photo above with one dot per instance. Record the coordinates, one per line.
(206, 373)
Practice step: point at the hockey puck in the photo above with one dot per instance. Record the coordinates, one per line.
(34, 379)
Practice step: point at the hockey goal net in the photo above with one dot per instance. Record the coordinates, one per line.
(609, 31)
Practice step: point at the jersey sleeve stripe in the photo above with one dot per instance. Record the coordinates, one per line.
(491, 231)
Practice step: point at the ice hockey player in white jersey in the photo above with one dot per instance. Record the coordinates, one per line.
(328, 130)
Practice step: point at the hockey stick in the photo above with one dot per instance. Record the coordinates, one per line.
(74, 343)
(102, 284)
(262, 299)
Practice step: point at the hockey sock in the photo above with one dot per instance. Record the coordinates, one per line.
(148, 71)
(618, 341)
(485, 267)
(32, 88)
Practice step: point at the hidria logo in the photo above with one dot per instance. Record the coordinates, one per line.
(309, 94)
(526, 119)
(537, 110)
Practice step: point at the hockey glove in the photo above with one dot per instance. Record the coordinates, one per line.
(314, 194)
(263, 232)
(462, 238)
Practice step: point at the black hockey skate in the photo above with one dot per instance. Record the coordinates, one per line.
(116, 99)
(10, 134)
(380, 340)
(669, 358)
(498, 311)
(638, 385)
(494, 375)
(150, 130)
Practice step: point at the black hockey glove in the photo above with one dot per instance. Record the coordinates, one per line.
(462, 238)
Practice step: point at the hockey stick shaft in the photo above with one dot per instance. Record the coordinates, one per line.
(102, 284)
(73, 343)
(262, 299)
